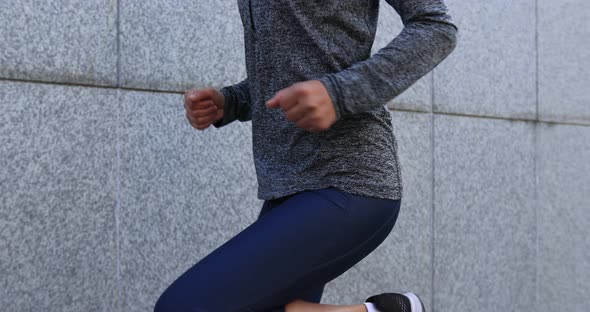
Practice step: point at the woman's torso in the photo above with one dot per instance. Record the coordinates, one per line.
(287, 41)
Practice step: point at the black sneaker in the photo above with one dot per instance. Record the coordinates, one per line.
(393, 302)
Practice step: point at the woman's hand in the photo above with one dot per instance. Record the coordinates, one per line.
(307, 104)
(203, 107)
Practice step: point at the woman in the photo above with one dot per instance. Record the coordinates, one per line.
(324, 151)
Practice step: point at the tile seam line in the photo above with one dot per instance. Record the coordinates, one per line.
(536, 212)
(552, 122)
(118, 147)
(118, 203)
(118, 40)
(432, 217)
(87, 85)
(536, 60)
(535, 157)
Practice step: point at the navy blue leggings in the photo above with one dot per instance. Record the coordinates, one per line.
(299, 243)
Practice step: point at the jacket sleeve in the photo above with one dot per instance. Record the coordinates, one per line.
(237, 104)
(427, 38)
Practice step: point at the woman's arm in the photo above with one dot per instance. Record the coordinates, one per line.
(237, 104)
(427, 38)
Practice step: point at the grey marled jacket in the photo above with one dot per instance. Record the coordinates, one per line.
(287, 41)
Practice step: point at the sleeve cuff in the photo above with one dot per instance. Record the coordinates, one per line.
(334, 93)
(228, 96)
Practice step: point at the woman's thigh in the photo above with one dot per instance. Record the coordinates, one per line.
(293, 247)
(312, 293)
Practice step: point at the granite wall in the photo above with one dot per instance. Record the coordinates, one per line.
(107, 194)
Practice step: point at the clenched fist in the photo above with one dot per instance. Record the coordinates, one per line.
(307, 104)
(203, 107)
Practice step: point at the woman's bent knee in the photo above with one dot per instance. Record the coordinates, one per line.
(166, 304)
(170, 302)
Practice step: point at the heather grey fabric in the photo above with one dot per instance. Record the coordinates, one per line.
(287, 41)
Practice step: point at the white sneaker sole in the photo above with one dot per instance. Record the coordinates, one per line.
(415, 302)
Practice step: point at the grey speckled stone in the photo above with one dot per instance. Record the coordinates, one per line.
(403, 261)
(564, 60)
(184, 192)
(418, 96)
(57, 198)
(484, 228)
(491, 72)
(564, 218)
(64, 41)
(176, 45)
